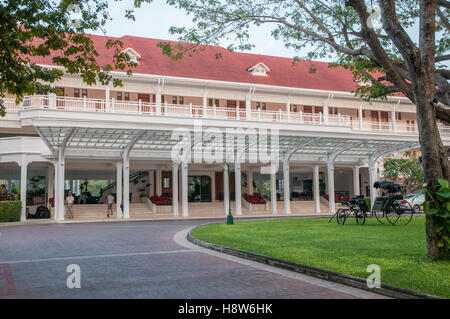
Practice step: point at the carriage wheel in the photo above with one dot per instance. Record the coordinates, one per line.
(360, 218)
(341, 216)
(380, 216)
(400, 215)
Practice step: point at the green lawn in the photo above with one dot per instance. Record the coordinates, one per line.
(399, 250)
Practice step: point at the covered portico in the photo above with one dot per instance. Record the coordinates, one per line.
(140, 144)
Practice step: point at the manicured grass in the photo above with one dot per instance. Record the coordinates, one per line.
(400, 251)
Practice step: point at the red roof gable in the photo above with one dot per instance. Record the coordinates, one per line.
(231, 67)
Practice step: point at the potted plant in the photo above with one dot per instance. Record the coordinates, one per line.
(161, 204)
(255, 202)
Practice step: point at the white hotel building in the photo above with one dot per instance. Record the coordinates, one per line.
(329, 140)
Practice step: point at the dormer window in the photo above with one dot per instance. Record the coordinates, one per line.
(363, 82)
(134, 56)
(259, 69)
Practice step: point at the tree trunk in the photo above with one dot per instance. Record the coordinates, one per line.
(435, 165)
(434, 156)
(420, 63)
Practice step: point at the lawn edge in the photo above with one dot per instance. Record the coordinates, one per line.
(348, 280)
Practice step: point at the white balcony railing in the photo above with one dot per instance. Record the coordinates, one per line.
(196, 111)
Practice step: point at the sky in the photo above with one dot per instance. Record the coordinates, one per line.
(154, 20)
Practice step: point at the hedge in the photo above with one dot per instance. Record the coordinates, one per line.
(10, 211)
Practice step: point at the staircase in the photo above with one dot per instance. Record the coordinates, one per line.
(91, 212)
(107, 189)
(98, 211)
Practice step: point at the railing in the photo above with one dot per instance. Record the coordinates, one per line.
(10, 104)
(195, 111)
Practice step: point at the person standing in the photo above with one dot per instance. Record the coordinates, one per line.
(110, 202)
(69, 205)
(3, 192)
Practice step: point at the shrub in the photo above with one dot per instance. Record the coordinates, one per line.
(10, 211)
(254, 199)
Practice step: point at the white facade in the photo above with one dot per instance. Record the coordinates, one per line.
(71, 137)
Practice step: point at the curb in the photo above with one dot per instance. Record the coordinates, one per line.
(28, 223)
(352, 281)
(240, 218)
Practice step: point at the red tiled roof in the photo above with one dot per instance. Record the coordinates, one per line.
(231, 67)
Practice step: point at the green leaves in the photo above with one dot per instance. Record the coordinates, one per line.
(407, 168)
(443, 182)
(43, 28)
(438, 208)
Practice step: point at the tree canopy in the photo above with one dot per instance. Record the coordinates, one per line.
(407, 168)
(330, 29)
(41, 28)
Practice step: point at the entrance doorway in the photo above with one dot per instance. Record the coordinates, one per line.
(199, 189)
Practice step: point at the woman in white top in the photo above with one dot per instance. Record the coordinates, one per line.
(69, 204)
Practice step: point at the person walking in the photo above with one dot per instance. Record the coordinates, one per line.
(69, 205)
(110, 202)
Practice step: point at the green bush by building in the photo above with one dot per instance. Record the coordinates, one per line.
(10, 211)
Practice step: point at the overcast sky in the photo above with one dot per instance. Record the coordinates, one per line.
(154, 20)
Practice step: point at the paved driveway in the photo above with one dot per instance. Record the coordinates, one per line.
(138, 260)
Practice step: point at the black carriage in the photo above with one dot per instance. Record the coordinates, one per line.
(389, 208)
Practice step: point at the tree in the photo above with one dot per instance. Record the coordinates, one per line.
(383, 56)
(41, 28)
(406, 168)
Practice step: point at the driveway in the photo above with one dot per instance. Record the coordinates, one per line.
(149, 259)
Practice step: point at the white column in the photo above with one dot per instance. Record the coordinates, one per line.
(273, 191)
(205, 101)
(356, 187)
(59, 192)
(226, 190)
(184, 189)
(238, 186)
(205, 97)
(288, 107)
(50, 184)
(52, 100)
(372, 177)
(287, 188)
(126, 187)
(316, 189)
(325, 113)
(330, 172)
(55, 195)
(248, 107)
(394, 121)
(158, 100)
(119, 182)
(360, 116)
(107, 98)
(23, 189)
(175, 188)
